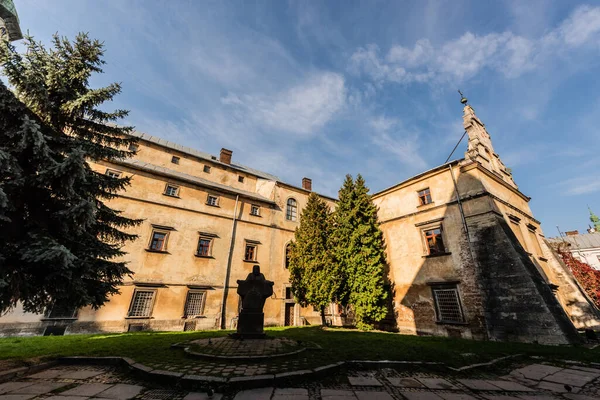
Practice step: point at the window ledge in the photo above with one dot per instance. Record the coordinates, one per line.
(157, 251)
(451, 323)
(169, 195)
(425, 205)
(543, 258)
(212, 205)
(59, 319)
(251, 261)
(194, 317)
(436, 255)
(256, 215)
(200, 256)
(139, 317)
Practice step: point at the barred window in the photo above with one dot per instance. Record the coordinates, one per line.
(142, 303)
(291, 210)
(434, 241)
(212, 200)
(424, 197)
(172, 190)
(447, 303)
(194, 304)
(61, 310)
(204, 246)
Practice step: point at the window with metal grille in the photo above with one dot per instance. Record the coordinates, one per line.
(113, 174)
(142, 302)
(207, 169)
(194, 304)
(424, 197)
(250, 254)
(447, 303)
(172, 190)
(158, 241)
(434, 241)
(61, 310)
(204, 245)
(254, 210)
(212, 200)
(175, 160)
(291, 211)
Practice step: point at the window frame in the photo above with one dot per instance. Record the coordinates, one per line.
(209, 196)
(202, 305)
(206, 169)
(454, 286)
(253, 245)
(175, 160)
(253, 207)
(110, 171)
(210, 246)
(171, 185)
(286, 256)
(423, 198)
(241, 179)
(133, 147)
(165, 241)
(424, 238)
(291, 210)
(133, 297)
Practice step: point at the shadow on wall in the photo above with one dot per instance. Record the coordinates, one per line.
(486, 287)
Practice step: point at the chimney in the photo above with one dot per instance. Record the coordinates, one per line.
(307, 184)
(225, 156)
(571, 233)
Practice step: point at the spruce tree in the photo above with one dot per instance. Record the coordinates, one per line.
(359, 251)
(61, 241)
(311, 270)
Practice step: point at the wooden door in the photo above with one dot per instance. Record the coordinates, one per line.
(289, 314)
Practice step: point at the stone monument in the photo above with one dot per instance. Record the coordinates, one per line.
(253, 291)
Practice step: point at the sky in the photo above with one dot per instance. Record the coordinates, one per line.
(326, 88)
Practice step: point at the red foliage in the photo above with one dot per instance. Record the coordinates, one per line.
(588, 277)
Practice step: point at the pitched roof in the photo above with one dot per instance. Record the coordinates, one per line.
(144, 166)
(581, 241)
(201, 154)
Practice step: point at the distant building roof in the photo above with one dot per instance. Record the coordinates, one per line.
(581, 241)
(202, 155)
(8, 15)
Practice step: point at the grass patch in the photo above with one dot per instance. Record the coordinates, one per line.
(337, 344)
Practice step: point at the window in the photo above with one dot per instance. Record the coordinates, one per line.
(159, 241)
(175, 160)
(288, 255)
(254, 210)
(240, 179)
(142, 303)
(424, 197)
(113, 174)
(212, 200)
(204, 247)
(172, 190)
(194, 304)
(61, 311)
(207, 169)
(250, 254)
(291, 210)
(134, 147)
(434, 241)
(447, 303)
(288, 293)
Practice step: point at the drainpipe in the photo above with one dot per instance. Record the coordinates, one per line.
(223, 322)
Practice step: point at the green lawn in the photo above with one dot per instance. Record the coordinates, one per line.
(337, 344)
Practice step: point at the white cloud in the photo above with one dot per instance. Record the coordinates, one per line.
(581, 185)
(463, 58)
(390, 135)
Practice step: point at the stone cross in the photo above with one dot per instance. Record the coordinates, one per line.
(253, 291)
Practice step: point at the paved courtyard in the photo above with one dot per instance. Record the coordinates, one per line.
(532, 382)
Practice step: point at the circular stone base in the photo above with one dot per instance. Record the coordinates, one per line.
(230, 348)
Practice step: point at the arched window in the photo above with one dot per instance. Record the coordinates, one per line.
(288, 254)
(292, 210)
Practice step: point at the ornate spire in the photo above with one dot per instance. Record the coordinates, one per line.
(480, 148)
(595, 220)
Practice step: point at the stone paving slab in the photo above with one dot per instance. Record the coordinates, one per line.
(536, 371)
(437, 383)
(17, 396)
(587, 369)
(10, 386)
(332, 394)
(456, 396)
(67, 398)
(291, 391)
(570, 379)
(39, 388)
(478, 384)
(405, 382)
(572, 396)
(421, 396)
(255, 394)
(373, 395)
(510, 386)
(121, 391)
(202, 396)
(87, 389)
(47, 374)
(364, 381)
(539, 397)
(81, 374)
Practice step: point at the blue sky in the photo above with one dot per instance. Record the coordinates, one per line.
(321, 89)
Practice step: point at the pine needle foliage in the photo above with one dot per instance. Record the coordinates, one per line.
(359, 251)
(312, 276)
(61, 241)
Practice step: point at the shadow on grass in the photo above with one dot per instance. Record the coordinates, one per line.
(337, 344)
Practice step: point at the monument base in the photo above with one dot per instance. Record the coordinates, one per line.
(250, 326)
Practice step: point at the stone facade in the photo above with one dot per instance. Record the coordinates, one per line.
(467, 258)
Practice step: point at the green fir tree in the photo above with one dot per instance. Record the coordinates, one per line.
(359, 251)
(311, 270)
(61, 241)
